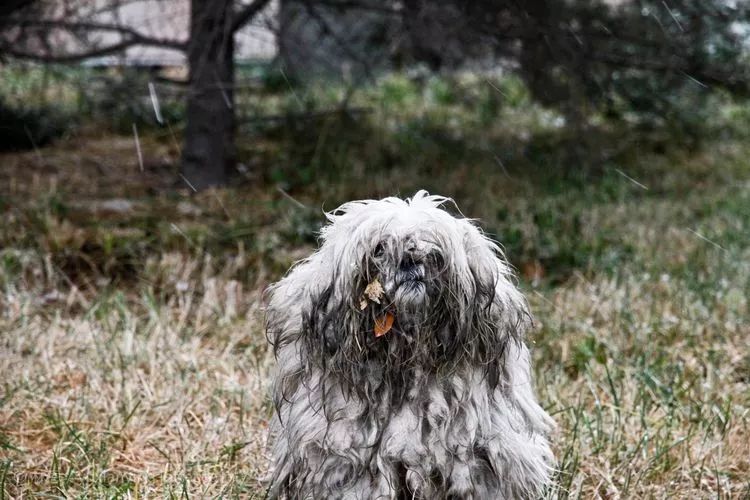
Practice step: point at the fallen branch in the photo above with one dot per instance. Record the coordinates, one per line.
(305, 116)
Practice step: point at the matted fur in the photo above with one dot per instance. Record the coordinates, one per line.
(442, 404)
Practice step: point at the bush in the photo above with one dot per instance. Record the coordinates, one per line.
(118, 100)
(23, 128)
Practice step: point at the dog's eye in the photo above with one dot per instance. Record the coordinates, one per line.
(379, 250)
(435, 257)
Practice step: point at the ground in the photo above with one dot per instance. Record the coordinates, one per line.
(133, 360)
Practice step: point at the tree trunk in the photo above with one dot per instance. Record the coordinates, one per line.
(208, 154)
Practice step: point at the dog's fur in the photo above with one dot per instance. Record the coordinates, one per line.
(442, 405)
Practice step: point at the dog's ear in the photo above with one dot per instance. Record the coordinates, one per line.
(317, 303)
(281, 299)
(498, 313)
(325, 317)
(302, 305)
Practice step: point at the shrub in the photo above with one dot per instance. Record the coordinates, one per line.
(23, 127)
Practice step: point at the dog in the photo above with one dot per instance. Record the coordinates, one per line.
(402, 368)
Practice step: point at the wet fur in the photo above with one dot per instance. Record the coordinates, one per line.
(442, 405)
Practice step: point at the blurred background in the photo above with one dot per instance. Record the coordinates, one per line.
(162, 162)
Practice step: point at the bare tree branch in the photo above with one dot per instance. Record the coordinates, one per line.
(10, 6)
(362, 5)
(67, 58)
(328, 30)
(134, 37)
(247, 13)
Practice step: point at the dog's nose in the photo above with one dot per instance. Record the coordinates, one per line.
(412, 255)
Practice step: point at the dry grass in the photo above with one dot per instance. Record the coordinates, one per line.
(133, 361)
(135, 396)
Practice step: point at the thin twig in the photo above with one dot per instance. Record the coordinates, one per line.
(138, 146)
(290, 197)
(642, 186)
(699, 235)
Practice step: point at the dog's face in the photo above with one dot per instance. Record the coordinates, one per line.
(424, 263)
(403, 283)
(409, 264)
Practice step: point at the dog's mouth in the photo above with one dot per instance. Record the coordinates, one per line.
(404, 293)
(410, 289)
(410, 277)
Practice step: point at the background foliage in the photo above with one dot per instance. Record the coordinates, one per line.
(133, 360)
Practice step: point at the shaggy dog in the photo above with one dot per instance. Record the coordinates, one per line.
(402, 371)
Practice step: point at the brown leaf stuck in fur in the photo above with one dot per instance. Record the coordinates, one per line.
(383, 324)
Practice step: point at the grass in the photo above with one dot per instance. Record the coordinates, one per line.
(133, 361)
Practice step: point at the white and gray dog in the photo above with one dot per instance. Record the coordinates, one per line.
(402, 370)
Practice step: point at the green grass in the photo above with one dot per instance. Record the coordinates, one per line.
(132, 356)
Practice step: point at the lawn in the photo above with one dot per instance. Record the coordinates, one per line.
(133, 361)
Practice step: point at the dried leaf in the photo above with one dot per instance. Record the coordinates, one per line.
(383, 324)
(373, 291)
